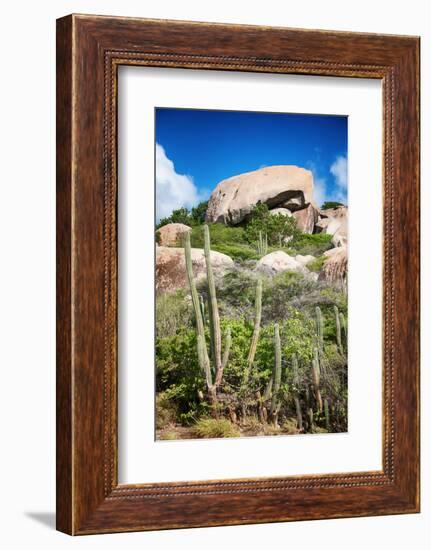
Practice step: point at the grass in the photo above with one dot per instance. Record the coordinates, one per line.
(215, 428)
(306, 244)
(316, 265)
(172, 313)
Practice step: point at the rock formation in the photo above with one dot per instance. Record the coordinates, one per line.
(334, 269)
(306, 218)
(334, 222)
(283, 211)
(288, 187)
(279, 261)
(304, 260)
(170, 234)
(171, 267)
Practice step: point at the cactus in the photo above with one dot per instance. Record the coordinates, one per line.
(256, 331)
(338, 330)
(262, 244)
(268, 390)
(202, 304)
(214, 322)
(327, 415)
(310, 420)
(316, 380)
(296, 395)
(276, 375)
(343, 328)
(215, 319)
(203, 358)
(319, 328)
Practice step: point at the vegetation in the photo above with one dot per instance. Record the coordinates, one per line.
(212, 427)
(245, 354)
(331, 204)
(195, 216)
(277, 228)
(315, 244)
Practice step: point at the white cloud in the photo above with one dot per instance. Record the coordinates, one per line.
(319, 190)
(173, 190)
(339, 170)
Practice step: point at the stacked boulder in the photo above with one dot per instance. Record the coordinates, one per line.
(286, 190)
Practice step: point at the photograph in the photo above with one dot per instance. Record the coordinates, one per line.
(251, 245)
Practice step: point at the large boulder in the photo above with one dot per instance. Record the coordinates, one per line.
(287, 187)
(306, 219)
(170, 234)
(304, 260)
(279, 261)
(335, 265)
(282, 211)
(171, 267)
(334, 221)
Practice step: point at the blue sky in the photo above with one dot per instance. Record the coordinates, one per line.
(196, 149)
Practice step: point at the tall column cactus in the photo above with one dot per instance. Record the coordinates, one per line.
(319, 328)
(277, 374)
(262, 244)
(316, 381)
(215, 319)
(219, 361)
(343, 324)
(256, 330)
(203, 358)
(338, 330)
(296, 392)
(327, 415)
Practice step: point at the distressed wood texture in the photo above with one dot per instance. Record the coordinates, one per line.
(89, 498)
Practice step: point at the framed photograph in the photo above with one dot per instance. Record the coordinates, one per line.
(237, 274)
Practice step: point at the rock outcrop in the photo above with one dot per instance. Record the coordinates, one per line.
(279, 261)
(282, 211)
(170, 234)
(306, 218)
(334, 269)
(334, 222)
(304, 260)
(288, 187)
(171, 267)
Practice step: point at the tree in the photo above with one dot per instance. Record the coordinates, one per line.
(277, 227)
(331, 204)
(182, 215)
(198, 213)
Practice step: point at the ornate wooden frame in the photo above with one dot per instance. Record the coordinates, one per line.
(89, 51)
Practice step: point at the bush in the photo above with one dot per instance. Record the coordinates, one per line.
(282, 291)
(220, 235)
(182, 215)
(277, 227)
(316, 265)
(315, 244)
(166, 411)
(212, 427)
(331, 204)
(173, 313)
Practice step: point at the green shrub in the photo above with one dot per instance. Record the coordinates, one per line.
(315, 244)
(173, 313)
(316, 264)
(168, 435)
(282, 291)
(195, 216)
(220, 235)
(238, 252)
(166, 411)
(331, 204)
(276, 227)
(213, 427)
